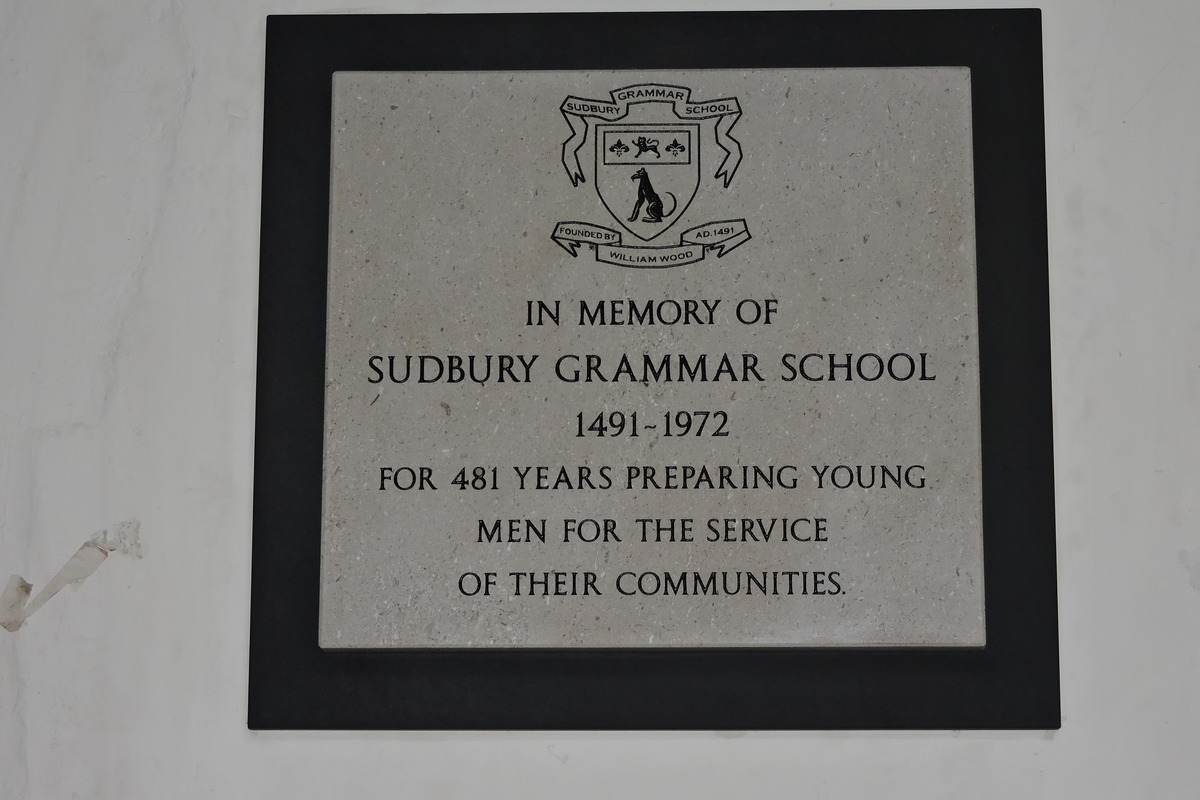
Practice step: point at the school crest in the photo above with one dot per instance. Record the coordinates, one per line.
(652, 148)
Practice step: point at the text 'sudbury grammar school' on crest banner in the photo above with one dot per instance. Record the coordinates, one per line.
(649, 151)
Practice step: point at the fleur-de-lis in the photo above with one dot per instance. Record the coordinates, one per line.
(620, 148)
(675, 148)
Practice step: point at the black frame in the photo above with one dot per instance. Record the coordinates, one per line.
(1012, 683)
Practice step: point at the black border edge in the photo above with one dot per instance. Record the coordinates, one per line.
(1013, 683)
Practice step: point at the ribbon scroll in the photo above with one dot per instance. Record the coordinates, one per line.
(577, 111)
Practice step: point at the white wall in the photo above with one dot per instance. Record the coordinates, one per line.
(130, 137)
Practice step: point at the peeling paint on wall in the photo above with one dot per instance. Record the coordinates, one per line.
(15, 606)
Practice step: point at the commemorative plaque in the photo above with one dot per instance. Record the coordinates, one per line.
(652, 359)
(610, 376)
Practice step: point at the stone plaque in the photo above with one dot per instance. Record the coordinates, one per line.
(652, 360)
(608, 383)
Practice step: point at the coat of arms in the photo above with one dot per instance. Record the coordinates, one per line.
(651, 144)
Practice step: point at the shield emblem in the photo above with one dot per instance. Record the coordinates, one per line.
(647, 174)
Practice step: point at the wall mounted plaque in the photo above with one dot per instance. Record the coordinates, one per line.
(612, 361)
